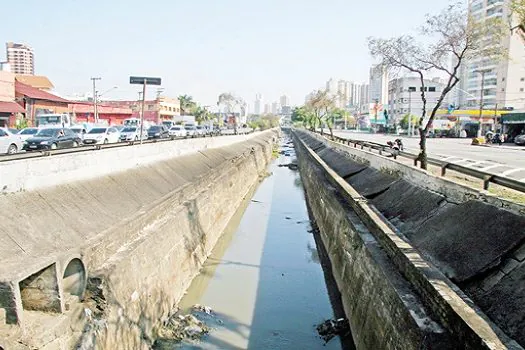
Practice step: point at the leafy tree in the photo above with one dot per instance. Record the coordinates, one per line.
(448, 34)
(231, 102)
(186, 104)
(404, 121)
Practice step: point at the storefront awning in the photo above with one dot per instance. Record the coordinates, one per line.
(10, 107)
(514, 118)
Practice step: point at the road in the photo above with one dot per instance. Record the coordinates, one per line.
(506, 160)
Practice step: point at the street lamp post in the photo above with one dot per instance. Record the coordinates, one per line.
(482, 72)
(95, 108)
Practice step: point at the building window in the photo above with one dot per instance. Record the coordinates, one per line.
(521, 89)
(503, 90)
(432, 89)
(503, 79)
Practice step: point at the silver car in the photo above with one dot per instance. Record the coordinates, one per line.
(9, 143)
(132, 133)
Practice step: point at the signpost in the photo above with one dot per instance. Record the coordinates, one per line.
(144, 81)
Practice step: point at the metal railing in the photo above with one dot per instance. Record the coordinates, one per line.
(87, 148)
(486, 177)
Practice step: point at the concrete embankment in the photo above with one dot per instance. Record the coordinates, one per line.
(411, 251)
(125, 243)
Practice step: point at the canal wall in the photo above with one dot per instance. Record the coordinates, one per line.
(401, 268)
(101, 263)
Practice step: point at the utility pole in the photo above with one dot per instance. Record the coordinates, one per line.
(142, 110)
(482, 72)
(410, 90)
(95, 107)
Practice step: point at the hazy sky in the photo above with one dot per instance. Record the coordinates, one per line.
(205, 47)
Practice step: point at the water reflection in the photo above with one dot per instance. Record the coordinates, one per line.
(264, 280)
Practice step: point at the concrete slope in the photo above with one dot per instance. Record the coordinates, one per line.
(475, 239)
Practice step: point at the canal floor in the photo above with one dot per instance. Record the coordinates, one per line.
(264, 280)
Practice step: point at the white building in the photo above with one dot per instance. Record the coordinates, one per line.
(20, 58)
(404, 97)
(258, 104)
(504, 83)
(276, 108)
(267, 108)
(284, 101)
(378, 86)
(344, 91)
(331, 86)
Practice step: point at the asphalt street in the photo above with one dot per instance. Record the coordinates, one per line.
(507, 160)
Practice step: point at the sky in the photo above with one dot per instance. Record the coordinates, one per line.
(204, 47)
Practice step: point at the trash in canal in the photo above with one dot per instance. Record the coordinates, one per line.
(202, 308)
(182, 327)
(330, 328)
(291, 166)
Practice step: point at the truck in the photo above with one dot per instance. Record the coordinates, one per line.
(135, 122)
(53, 120)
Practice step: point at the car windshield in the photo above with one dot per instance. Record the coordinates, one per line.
(176, 128)
(47, 132)
(28, 132)
(154, 128)
(76, 130)
(97, 131)
(199, 127)
(188, 127)
(129, 129)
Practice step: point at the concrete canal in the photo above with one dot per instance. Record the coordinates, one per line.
(267, 284)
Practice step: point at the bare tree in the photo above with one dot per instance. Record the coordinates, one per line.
(320, 104)
(453, 35)
(231, 102)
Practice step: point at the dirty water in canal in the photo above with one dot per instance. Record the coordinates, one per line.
(266, 284)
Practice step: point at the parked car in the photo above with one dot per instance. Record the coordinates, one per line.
(80, 131)
(158, 132)
(13, 131)
(520, 140)
(191, 130)
(177, 131)
(119, 127)
(102, 135)
(200, 130)
(132, 133)
(9, 143)
(27, 133)
(52, 138)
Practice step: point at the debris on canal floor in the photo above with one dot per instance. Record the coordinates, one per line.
(202, 308)
(330, 328)
(182, 327)
(291, 166)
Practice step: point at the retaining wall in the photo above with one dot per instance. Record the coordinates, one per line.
(403, 221)
(36, 173)
(142, 235)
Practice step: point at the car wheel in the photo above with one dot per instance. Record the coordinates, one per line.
(53, 146)
(12, 149)
(75, 144)
(105, 141)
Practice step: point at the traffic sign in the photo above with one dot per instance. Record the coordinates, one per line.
(147, 80)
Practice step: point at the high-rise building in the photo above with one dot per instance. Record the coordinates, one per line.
(267, 108)
(364, 98)
(284, 101)
(258, 104)
(331, 86)
(276, 108)
(20, 58)
(343, 93)
(504, 80)
(378, 86)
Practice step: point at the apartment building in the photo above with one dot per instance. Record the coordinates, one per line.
(503, 80)
(20, 58)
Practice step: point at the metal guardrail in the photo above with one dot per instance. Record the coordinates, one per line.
(87, 148)
(487, 177)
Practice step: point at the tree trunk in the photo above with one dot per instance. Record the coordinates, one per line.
(422, 157)
(331, 132)
(321, 125)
